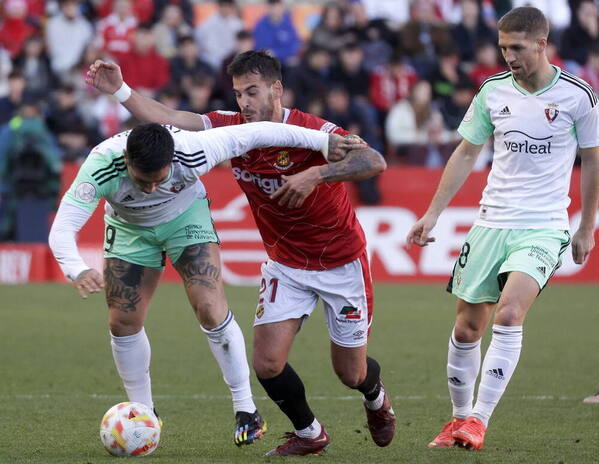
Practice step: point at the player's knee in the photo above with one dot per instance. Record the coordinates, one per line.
(267, 367)
(123, 328)
(210, 314)
(468, 332)
(509, 313)
(350, 378)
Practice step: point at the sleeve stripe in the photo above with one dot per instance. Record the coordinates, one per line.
(579, 80)
(116, 174)
(190, 159)
(182, 153)
(589, 93)
(116, 161)
(116, 169)
(495, 77)
(188, 164)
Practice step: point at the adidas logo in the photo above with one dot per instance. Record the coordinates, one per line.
(497, 373)
(542, 269)
(455, 381)
(505, 111)
(128, 198)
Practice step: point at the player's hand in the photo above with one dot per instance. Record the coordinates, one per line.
(582, 243)
(297, 187)
(104, 76)
(419, 232)
(340, 145)
(90, 281)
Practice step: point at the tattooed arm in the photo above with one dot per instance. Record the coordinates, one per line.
(360, 163)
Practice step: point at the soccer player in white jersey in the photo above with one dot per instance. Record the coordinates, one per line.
(157, 206)
(539, 115)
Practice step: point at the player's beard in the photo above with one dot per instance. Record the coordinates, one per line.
(265, 114)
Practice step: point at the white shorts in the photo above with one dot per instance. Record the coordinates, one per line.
(346, 291)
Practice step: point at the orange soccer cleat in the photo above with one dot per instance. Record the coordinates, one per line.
(471, 434)
(445, 438)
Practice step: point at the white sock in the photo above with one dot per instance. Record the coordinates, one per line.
(499, 365)
(376, 403)
(312, 431)
(132, 359)
(228, 347)
(463, 364)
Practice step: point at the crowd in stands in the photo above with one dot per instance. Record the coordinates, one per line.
(400, 73)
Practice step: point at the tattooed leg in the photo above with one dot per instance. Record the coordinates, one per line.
(199, 267)
(129, 288)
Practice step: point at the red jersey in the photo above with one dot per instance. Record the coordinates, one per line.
(324, 232)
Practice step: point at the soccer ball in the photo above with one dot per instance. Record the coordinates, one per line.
(130, 429)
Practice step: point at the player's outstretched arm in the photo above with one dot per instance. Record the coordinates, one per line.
(455, 174)
(583, 240)
(68, 221)
(107, 78)
(360, 162)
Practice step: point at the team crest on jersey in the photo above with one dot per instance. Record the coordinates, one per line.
(260, 310)
(177, 187)
(551, 112)
(85, 192)
(283, 161)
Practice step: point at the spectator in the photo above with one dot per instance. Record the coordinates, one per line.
(29, 175)
(350, 71)
(344, 111)
(423, 36)
(172, 97)
(414, 127)
(454, 108)
(143, 68)
(143, 10)
(35, 65)
(590, 73)
(244, 42)
(397, 13)
(446, 74)
(16, 90)
(187, 64)
(109, 115)
(311, 78)
(217, 35)
(185, 5)
(330, 33)
(276, 32)
(115, 32)
(471, 31)
(15, 29)
(202, 88)
(67, 35)
(169, 30)
(392, 83)
(376, 39)
(582, 33)
(66, 123)
(5, 69)
(487, 63)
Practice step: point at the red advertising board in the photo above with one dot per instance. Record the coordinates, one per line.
(406, 193)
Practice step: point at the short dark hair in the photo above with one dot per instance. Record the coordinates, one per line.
(526, 19)
(150, 147)
(256, 62)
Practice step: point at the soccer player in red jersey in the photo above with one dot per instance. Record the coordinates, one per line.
(315, 244)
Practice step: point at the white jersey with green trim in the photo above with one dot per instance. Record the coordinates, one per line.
(104, 174)
(536, 136)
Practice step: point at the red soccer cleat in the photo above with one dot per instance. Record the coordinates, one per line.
(445, 438)
(298, 446)
(381, 422)
(471, 434)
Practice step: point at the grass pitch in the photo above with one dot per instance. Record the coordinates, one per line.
(58, 379)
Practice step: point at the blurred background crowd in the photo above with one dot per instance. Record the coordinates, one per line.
(399, 73)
